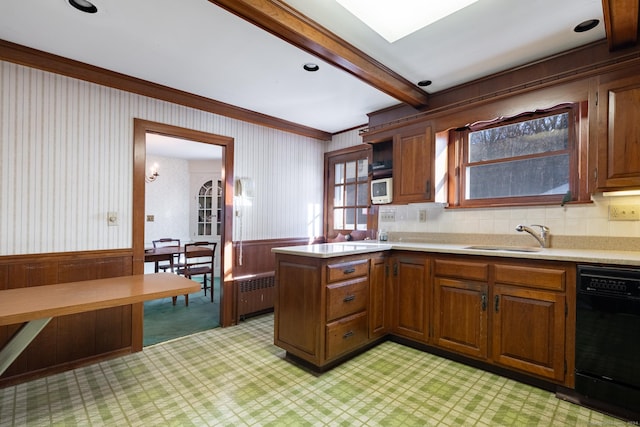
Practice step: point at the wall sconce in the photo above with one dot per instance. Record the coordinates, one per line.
(153, 173)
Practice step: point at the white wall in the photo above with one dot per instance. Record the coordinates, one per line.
(66, 159)
(168, 200)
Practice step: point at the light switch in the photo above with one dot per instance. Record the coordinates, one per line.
(112, 218)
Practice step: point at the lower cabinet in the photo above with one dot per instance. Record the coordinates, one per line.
(516, 314)
(460, 312)
(530, 319)
(412, 297)
(322, 306)
(380, 294)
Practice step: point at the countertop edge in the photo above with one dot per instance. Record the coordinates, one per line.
(332, 250)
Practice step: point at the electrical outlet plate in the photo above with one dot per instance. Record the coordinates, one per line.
(422, 215)
(624, 212)
(388, 216)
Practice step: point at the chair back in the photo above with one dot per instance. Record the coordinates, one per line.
(198, 258)
(166, 241)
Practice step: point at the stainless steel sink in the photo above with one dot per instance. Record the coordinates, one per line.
(504, 248)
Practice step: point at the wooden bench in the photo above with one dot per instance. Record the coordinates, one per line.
(36, 306)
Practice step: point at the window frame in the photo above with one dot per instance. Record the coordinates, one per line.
(458, 159)
(331, 159)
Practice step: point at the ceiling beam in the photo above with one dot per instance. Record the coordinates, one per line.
(621, 22)
(293, 27)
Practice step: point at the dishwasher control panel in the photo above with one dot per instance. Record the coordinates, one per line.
(624, 282)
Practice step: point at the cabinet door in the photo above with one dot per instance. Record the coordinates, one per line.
(460, 316)
(379, 300)
(529, 330)
(298, 308)
(411, 297)
(619, 134)
(412, 166)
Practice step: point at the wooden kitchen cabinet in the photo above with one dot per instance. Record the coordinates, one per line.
(410, 150)
(529, 319)
(460, 306)
(413, 159)
(298, 306)
(322, 306)
(618, 134)
(412, 296)
(380, 288)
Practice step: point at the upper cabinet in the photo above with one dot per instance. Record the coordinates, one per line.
(618, 134)
(411, 157)
(412, 165)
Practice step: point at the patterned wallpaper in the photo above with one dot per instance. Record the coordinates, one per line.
(66, 159)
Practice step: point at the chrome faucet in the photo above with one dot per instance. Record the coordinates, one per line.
(542, 238)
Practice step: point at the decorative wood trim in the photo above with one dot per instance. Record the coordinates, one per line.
(578, 64)
(78, 70)
(77, 339)
(257, 256)
(292, 26)
(141, 127)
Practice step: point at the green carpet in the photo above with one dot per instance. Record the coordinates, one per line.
(163, 321)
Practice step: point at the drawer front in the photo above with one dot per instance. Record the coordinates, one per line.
(344, 298)
(346, 334)
(462, 270)
(347, 270)
(532, 277)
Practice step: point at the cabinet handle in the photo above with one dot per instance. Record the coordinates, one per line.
(483, 300)
(497, 303)
(349, 298)
(428, 189)
(349, 270)
(347, 335)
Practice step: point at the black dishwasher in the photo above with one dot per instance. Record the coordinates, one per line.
(608, 335)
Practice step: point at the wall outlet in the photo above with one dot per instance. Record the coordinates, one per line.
(387, 216)
(422, 215)
(624, 212)
(151, 218)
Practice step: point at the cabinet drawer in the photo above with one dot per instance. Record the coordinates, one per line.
(533, 277)
(347, 270)
(344, 298)
(462, 270)
(346, 334)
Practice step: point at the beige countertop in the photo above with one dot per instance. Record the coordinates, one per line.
(330, 250)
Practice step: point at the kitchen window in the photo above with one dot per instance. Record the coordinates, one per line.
(348, 199)
(528, 159)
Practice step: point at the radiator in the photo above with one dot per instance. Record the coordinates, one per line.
(255, 294)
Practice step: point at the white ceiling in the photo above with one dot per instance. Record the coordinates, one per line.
(197, 47)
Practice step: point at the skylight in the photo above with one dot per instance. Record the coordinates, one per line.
(395, 19)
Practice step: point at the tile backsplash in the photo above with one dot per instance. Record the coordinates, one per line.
(572, 220)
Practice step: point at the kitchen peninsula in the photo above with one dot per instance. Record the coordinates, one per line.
(508, 309)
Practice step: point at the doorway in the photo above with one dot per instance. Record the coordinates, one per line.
(141, 129)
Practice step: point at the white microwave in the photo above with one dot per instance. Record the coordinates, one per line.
(382, 191)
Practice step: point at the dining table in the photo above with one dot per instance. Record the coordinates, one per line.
(164, 253)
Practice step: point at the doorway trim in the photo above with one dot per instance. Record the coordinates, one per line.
(140, 129)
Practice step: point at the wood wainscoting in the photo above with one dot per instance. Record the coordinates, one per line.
(253, 274)
(72, 340)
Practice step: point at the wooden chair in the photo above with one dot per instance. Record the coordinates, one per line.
(174, 262)
(198, 260)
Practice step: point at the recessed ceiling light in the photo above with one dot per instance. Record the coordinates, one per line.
(309, 66)
(586, 25)
(84, 6)
(404, 17)
(424, 83)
